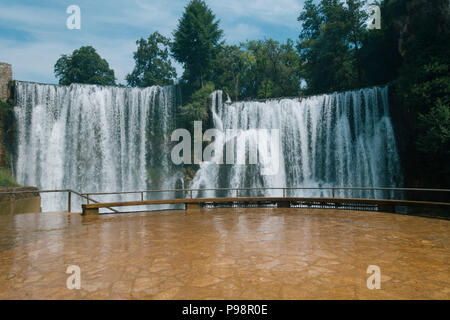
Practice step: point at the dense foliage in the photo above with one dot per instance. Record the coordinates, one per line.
(335, 51)
(196, 41)
(411, 52)
(196, 109)
(330, 43)
(258, 69)
(84, 65)
(153, 66)
(7, 127)
(422, 88)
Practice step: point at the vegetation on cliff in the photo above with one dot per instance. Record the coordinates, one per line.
(6, 179)
(410, 51)
(153, 66)
(6, 135)
(421, 90)
(335, 51)
(84, 65)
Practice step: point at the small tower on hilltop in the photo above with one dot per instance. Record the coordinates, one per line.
(5, 78)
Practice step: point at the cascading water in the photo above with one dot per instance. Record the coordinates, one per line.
(94, 139)
(337, 140)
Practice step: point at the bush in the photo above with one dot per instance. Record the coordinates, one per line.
(6, 179)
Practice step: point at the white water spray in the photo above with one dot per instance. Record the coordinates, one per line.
(337, 140)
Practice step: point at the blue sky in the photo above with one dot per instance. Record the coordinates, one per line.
(33, 34)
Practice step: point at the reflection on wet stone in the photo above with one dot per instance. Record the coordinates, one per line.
(252, 253)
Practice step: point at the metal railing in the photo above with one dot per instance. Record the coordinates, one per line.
(284, 189)
(236, 191)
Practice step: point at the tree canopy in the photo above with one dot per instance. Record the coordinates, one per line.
(84, 65)
(330, 42)
(152, 63)
(195, 42)
(258, 69)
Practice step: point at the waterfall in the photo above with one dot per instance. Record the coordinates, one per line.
(93, 138)
(104, 139)
(337, 140)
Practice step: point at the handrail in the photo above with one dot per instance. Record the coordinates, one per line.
(88, 198)
(227, 189)
(37, 191)
(271, 188)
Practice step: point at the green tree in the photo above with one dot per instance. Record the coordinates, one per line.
(7, 142)
(84, 66)
(330, 42)
(258, 69)
(379, 54)
(197, 107)
(195, 43)
(228, 70)
(422, 88)
(411, 52)
(434, 142)
(272, 69)
(153, 66)
(356, 18)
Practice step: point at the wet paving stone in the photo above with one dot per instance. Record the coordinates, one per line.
(251, 253)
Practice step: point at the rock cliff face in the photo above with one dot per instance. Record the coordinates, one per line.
(412, 17)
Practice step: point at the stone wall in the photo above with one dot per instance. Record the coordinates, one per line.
(19, 202)
(5, 78)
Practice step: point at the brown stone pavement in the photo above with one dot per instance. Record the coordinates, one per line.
(251, 253)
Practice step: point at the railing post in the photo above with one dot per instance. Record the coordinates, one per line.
(284, 193)
(332, 192)
(69, 201)
(237, 193)
(87, 198)
(191, 193)
(142, 196)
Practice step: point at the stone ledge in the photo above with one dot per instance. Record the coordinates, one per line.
(9, 197)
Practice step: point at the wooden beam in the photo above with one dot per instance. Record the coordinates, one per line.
(383, 204)
(89, 211)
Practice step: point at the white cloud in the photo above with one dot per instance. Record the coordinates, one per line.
(242, 32)
(113, 26)
(32, 61)
(275, 12)
(24, 16)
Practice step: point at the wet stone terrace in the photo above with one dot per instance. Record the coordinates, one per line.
(252, 253)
